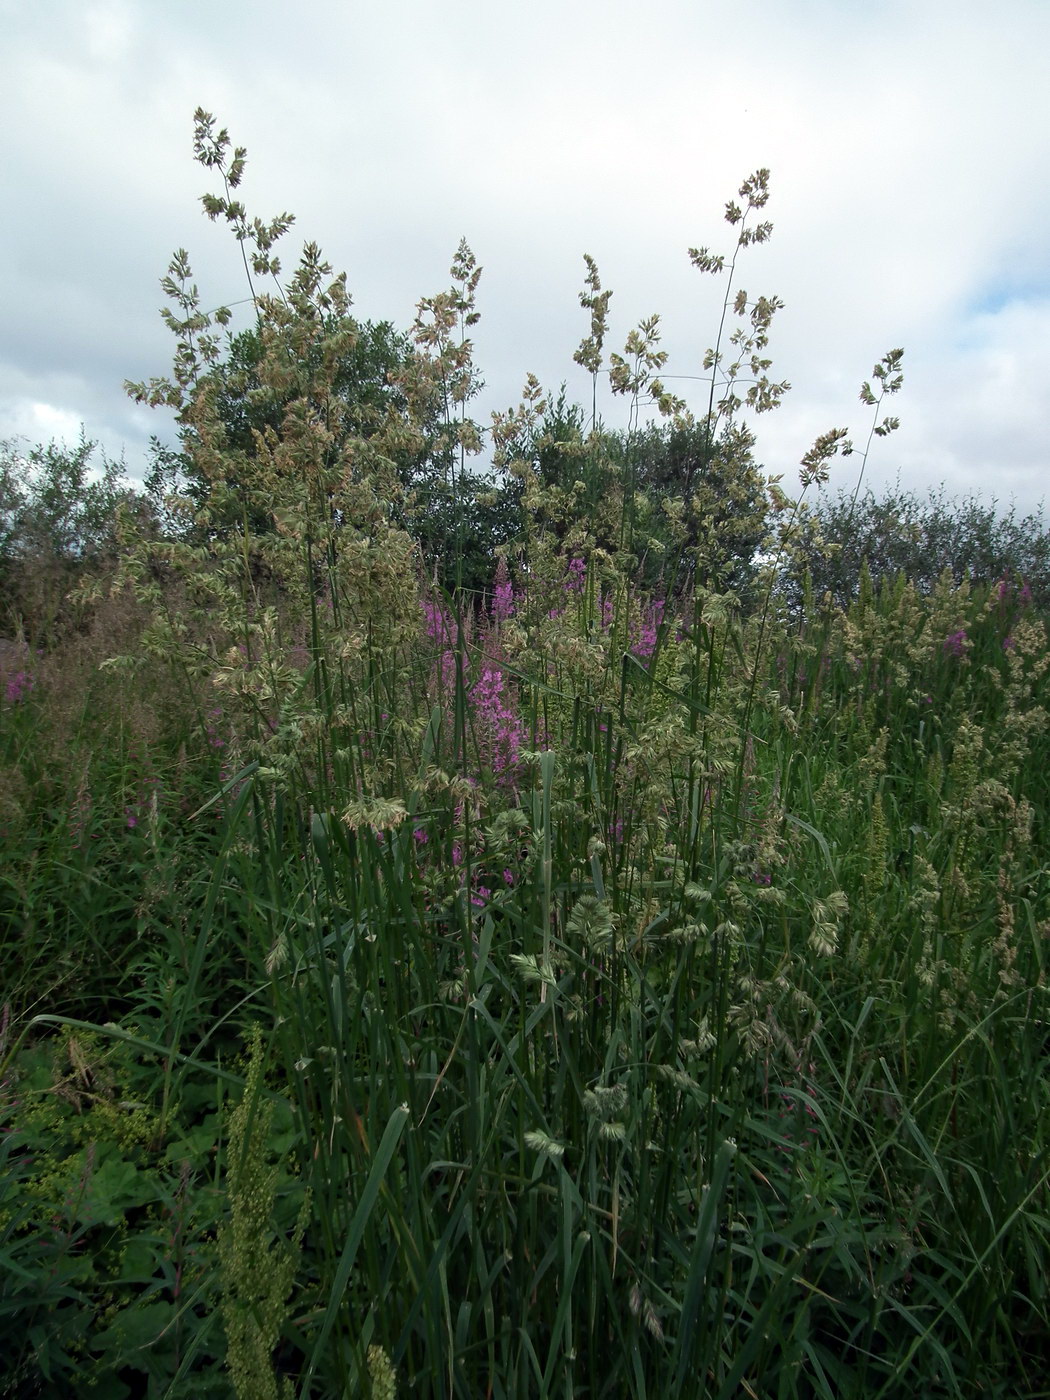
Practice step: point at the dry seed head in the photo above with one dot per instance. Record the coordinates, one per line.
(380, 813)
(545, 1145)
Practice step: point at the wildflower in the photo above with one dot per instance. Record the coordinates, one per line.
(575, 576)
(503, 598)
(18, 687)
(645, 642)
(500, 724)
(956, 644)
(436, 620)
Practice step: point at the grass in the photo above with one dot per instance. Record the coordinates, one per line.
(672, 1056)
(587, 988)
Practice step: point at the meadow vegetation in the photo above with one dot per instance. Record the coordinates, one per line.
(572, 927)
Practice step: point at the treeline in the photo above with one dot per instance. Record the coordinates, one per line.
(692, 510)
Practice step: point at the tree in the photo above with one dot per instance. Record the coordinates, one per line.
(378, 389)
(249, 405)
(921, 537)
(711, 496)
(57, 521)
(688, 510)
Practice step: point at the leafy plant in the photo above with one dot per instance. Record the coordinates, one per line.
(921, 538)
(651, 976)
(57, 522)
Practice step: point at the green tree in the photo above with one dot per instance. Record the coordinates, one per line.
(380, 389)
(58, 516)
(710, 497)
(690, 510)
(921, 537)
(365, 395)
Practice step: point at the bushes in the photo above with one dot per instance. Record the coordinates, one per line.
(921, 538)
(57, 524)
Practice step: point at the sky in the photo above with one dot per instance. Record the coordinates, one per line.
(908, 144)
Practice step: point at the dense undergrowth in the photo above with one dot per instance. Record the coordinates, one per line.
(612, 982)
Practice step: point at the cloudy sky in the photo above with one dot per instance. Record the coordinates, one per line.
(909, 145)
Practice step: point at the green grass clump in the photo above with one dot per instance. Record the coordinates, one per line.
(643, 982)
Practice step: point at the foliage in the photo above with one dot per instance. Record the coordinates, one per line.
(108, 1283)
(650, 980)
(712, 495)
(691, 512)
(921, 538)
(245, 405)
(57, 521)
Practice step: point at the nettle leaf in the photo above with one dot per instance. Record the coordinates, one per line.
(135, 1329)
(114, 1187)
(138, 1261)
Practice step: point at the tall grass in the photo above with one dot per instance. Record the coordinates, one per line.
(646, 993)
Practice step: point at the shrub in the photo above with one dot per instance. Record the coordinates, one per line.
(58, 518)
(922, 538)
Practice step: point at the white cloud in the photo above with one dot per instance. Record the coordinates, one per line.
(42, 423)
(110, 30)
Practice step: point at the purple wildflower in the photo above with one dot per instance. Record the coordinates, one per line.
(500, 724)
(503, 598)
(575, 576)
(436, 620)
(645, 642)
(18, 687)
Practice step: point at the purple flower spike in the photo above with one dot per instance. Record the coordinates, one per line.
(575, 577)
(18, 687)
(503, 599)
